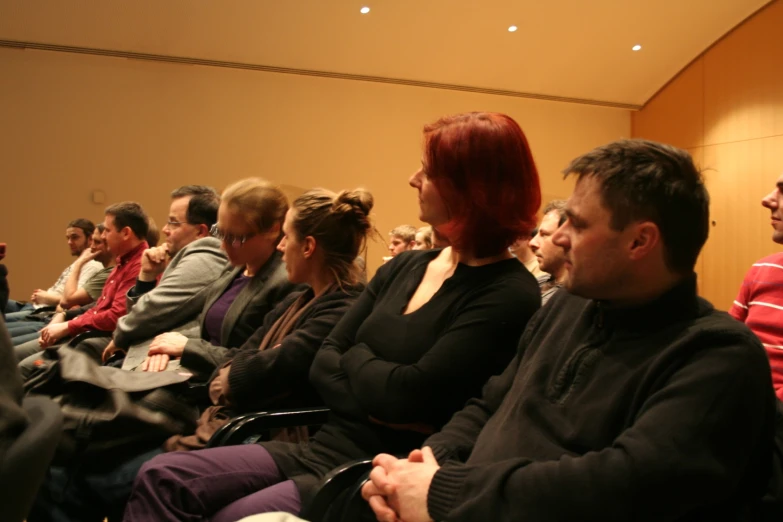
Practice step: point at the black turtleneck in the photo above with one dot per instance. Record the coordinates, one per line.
(660, 412)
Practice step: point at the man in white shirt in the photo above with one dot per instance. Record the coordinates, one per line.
(79, 235)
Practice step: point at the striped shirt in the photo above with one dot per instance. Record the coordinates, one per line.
(759, 305)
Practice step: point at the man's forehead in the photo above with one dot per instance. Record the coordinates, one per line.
(586, 198)
(179, 204)
(553, 216)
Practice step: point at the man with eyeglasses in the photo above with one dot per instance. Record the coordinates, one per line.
(171, 287)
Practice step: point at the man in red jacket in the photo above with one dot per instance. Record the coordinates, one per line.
(126, 226)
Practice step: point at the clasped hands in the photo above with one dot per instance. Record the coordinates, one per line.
(397, 489)
(52, 333)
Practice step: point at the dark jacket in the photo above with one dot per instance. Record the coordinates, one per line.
(264, 291)
(664, 412)
(12, 417)
(279, 375)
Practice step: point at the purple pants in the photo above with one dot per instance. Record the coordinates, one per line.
(218, 484)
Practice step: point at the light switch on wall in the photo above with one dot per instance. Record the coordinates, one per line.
(98, 196)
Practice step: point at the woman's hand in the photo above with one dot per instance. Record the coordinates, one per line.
(163, 348)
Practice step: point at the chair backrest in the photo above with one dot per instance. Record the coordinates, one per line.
(25, 464)
(355, 508)
(329, 502)
(254, 427)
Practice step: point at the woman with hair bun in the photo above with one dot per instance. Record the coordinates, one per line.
(425, 335)
(323, 233)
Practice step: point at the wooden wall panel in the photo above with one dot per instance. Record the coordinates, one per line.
(739, 174)
(679, 102)
(743, 81)
(741, 95)
(135, 130)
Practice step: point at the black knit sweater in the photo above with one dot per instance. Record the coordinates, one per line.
(660, 413)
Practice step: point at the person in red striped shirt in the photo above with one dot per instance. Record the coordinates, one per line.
(759, 303)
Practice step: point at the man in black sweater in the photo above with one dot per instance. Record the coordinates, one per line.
(630, 397)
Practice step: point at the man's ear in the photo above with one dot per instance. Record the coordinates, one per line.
(203, 230)
(646, 236)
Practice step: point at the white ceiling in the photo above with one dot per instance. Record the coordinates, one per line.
(563, 48)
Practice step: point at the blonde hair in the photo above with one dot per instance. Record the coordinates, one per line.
(260, 202)
(405, 232)
(427, 231)
(339, 223)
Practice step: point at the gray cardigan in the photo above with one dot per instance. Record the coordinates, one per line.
(179, 296)
(245, 315)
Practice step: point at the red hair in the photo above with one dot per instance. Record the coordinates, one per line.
(483, 169)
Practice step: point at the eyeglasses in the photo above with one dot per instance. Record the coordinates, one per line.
(230, 239)
(175, 224)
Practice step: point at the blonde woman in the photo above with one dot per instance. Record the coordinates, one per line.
(250, 220)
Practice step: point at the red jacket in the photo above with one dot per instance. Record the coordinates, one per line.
(111, 304)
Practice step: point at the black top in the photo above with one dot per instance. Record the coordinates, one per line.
(409, 369)
(4, 292)
(279, 375)
(662, 412)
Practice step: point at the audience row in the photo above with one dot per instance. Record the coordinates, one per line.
(495, 368)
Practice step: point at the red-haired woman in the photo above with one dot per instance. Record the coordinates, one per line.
(429, 330)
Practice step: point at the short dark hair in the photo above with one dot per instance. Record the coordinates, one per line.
(203, 204)
(560, 206)
(87, 226)
(645, 180)
(100, 227)
(129, 214)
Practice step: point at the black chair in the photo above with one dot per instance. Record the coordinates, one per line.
(25, 464)
(89, 334)
(254, 427)
(339, 495)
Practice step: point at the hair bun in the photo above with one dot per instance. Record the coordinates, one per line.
(356, 201)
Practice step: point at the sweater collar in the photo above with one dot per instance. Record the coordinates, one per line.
(676, 304)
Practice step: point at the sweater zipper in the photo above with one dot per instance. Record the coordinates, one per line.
(577, 360)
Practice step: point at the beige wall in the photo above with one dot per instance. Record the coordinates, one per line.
(727, 109)
(73, 124)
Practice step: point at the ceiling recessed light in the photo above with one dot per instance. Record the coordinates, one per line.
(636, 47)
(512, 28)
(364, 10)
